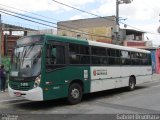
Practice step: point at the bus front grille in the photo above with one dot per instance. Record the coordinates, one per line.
(18, 87)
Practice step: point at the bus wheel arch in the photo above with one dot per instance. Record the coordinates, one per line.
(131, 83)
(75, 92)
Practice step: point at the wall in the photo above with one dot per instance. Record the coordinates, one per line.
(96, 29)
(153, 57)
(158, 61)
(8, 42)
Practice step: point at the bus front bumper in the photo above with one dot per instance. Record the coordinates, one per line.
(35, 94)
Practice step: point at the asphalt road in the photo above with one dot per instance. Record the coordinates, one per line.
(107, 105)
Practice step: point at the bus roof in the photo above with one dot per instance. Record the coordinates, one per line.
(67, 39)
(93, 43)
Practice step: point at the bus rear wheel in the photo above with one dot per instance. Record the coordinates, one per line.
(74, 93)
(132, 83)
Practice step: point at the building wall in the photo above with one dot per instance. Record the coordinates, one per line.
(155, 55)
(43, 31)
(8, 42)
(96, 29)
(158, 61)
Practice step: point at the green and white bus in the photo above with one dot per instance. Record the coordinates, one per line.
(45, 67)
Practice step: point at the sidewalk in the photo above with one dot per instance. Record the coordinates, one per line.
(156, 77)
(4, 95)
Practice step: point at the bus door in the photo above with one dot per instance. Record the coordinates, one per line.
(55, 68)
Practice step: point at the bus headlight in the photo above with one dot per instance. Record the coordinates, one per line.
(37, 81)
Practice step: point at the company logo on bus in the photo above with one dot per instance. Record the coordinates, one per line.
(100, 72)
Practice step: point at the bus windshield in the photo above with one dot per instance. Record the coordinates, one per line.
(26, 61)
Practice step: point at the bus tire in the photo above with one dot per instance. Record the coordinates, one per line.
(132, 83)
(74, 93)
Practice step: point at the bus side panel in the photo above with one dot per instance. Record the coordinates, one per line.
(105, 78)
(57, 82)
(142, 73)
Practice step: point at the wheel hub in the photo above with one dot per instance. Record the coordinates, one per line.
(75, 93)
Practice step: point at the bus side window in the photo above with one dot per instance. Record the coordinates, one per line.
(55, 57)
(48, 55)
(60, 55)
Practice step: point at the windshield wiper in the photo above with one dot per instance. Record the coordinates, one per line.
(26, 52)
(17, 60)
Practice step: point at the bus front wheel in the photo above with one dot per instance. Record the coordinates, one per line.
(132, 83)
(74, 93)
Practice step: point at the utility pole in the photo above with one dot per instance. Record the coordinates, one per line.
(117, 21)
(117, 16)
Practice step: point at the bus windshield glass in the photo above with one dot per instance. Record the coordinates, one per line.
(26, 61)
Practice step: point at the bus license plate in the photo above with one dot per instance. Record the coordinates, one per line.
(18, 94)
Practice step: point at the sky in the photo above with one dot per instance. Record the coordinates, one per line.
(141, 14)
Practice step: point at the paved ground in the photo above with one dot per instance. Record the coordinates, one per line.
(5, 97)
(107, 105)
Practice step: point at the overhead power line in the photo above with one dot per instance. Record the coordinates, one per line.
(28, 16)
(77, 31)
(29, 12)
(76, 9)
(81, 10)
(37, 15)
(21, 16)
(100, 16)
(54, 18)
(26, 19)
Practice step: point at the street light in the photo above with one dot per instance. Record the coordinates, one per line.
(117, 13)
